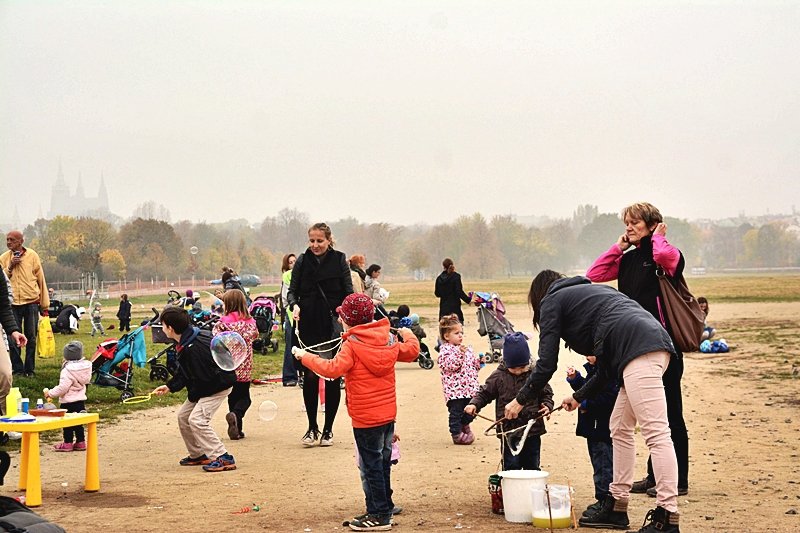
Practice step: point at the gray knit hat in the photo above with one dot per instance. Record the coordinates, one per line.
(73, 351)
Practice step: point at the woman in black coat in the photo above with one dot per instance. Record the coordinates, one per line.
(629, 344)
(320, 281)
(449, 291)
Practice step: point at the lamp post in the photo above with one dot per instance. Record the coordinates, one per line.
(193, 267)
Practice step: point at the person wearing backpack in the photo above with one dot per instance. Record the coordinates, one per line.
(207, 386)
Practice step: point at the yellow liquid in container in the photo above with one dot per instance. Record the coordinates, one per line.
(558, 522)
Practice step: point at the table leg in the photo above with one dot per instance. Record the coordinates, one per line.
(33, 495)
(23, 460)
(92, 480)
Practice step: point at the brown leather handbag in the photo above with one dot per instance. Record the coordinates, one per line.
(685, 316)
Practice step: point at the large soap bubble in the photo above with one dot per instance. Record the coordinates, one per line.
(229, 350)
(268, 410)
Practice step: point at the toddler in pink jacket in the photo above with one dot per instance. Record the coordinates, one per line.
(76, 372)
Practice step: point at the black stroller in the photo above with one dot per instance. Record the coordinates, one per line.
(492, 322)
(263, 310)
(161, 371)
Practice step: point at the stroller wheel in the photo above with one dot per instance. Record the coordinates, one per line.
(425, 361)
(487, 358)
(125, 395)
(496, 356)
(159, 373)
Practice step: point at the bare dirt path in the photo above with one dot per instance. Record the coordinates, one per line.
(744, 431)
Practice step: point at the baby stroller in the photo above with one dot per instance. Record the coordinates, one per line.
(263, 310)
(492, 322)
(424, 359)
(112, 363)
(162, 371)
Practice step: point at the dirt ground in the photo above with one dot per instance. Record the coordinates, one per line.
(741, 409)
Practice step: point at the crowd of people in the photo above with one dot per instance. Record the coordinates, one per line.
(337, 328)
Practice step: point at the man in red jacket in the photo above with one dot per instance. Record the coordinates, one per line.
(367, 358)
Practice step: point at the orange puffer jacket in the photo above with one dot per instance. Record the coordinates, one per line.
(366, 360)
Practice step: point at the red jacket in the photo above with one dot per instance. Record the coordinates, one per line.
(367, 358)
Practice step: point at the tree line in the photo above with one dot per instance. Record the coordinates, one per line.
(149, 248)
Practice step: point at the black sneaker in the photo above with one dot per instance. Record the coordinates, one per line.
(606, 517)
(371, 522)
(659, 520)
(327, 438)
(641, 486)
(593, 508)
(310, 438)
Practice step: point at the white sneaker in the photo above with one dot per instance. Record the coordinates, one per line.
(14, 435)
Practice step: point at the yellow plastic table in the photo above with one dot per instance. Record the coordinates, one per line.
(30, 479)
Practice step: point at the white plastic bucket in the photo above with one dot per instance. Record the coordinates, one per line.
(517, 486)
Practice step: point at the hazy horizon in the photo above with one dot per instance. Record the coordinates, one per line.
(402, 112)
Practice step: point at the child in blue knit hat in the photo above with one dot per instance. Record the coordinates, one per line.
(501, 387)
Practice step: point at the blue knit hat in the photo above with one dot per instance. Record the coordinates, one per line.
(516, 352)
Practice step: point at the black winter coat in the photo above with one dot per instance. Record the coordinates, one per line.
(6, 314)
(310, 278)
(449, 290)
(197, 370)
(593, 320)
(501, 387)
(595, 413)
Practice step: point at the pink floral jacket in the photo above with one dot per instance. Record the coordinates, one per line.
(249, 332)
(459, 372)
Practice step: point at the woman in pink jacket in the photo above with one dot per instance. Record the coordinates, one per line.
(76, 372)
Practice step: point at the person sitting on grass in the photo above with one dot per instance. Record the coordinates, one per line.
(366, 359)
(76, 373)
(207, 386)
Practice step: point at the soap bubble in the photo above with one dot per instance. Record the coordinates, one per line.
(229, 350)
(268, 410)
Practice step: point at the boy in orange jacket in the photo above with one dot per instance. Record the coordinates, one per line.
(367, 358)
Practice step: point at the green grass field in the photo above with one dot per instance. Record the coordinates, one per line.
(738, 288)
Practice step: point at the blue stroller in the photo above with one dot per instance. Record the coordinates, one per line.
(112, 363)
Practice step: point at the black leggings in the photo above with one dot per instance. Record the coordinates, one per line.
(239, 400)
(677, 425)
(74, 431)
(333, 395)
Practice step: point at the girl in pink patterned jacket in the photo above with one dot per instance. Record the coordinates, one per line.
(459, 366)
(238, 319)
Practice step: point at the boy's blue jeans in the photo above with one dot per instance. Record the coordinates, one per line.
(602, 455)
(528, 457)
(375, 448)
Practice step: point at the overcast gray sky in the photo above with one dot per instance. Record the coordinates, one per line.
(412, 111)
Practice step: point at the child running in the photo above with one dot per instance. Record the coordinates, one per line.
(207, 386)
(76, 372)
(237, 318)
(459, 367)
(593, 423)
(366, 359)
(97, 317)
(502, 386)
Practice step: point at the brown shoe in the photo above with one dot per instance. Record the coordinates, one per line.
(641, 486)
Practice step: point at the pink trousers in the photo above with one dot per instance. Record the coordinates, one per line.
(642, 399)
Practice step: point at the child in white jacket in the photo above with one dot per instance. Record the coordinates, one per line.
(76, 372)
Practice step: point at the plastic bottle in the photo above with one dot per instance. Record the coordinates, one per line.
(25, 405)
(12, 401)
(39, 403)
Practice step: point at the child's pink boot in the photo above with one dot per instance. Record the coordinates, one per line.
(79, 446)
(63, 447)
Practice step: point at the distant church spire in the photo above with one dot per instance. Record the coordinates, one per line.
(79, 195)
(102, 194)
(15, 220)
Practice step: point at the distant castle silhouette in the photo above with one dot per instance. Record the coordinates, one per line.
(63, 202)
